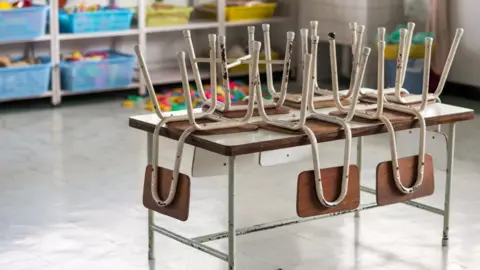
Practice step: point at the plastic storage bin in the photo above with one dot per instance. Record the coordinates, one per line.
(25, 81)
(262, 67)
(168, 15)
(115, 71)
(242, 13)
(414, 75)
(97, 21)
(23, 23)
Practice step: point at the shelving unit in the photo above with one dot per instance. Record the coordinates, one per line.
(163, 74)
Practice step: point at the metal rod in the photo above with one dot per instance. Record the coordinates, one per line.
(353, 29)
(406, 53)
(231, 213)
(411, 203)
(189, 242)
(142, 39)
(151, 235)
(448, 64)
(359, 164)
(277, 224)
(242, 60)
(448, 184)
(55, 53)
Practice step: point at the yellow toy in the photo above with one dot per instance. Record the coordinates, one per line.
(165, 108)
(179, 99)
(128, 103)
(220, 91)
(149, 108)
(76, 56)
(195, 102)
(5, 6)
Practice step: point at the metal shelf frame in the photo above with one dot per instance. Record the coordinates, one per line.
(163, 75)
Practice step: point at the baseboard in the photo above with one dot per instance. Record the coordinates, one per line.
(461, 90)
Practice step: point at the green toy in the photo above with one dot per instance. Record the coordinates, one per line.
(135, 98)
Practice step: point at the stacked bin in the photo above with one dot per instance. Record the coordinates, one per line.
(241, 13)
(116, 70)
(24, 24)
(414, 74)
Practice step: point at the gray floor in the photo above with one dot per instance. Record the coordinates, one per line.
(70, 198)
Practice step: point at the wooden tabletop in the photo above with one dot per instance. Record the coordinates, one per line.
(266, 140)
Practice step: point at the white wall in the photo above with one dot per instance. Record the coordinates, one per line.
(466, 67)
(335, 16)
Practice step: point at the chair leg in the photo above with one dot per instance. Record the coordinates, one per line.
(231, 213)
(448, 184)
(151, 233)
(151, 237)
(359, 165)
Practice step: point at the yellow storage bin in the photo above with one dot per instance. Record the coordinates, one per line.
(161, 14)
(244, 67)
(242, 13)
(416, 51)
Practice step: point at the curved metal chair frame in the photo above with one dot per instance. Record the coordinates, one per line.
(227, 64)
(308, 111)
(192, 115)
(383, 102)
(406, 36)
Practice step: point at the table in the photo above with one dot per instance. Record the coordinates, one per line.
(230, 154)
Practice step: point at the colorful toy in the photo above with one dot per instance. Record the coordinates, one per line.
(135, 98)
(90, 56)
(4, 5)
(22, 4)
(131, 101)
(128, 104)
(149, 106)
(173, 99)
(82, 7)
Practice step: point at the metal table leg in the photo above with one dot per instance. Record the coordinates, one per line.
(231, 213)
(151, 236)
(359, 164)
(448, 184)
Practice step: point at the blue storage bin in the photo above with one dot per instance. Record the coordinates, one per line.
(25, 81)
(98, 21)
(115, 71)
(413, 77)
(23, 23)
